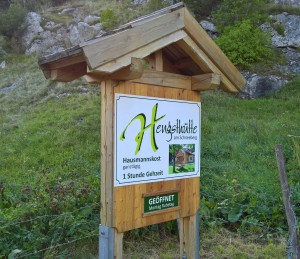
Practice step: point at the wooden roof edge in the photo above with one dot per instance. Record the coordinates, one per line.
(139, 21)
(78, 49)
(155, 14)
(73, 51)
(213, 51)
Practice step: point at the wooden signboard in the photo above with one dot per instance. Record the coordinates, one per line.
(141, 204)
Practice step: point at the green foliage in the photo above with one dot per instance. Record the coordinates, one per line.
(11, 20)
(221, 243)
(235, 11)
(115, 15)
(245, 44)
(154, 5)
(202, 8)
(109, 19)
(280, 8)
(47, 196)
(279, 28)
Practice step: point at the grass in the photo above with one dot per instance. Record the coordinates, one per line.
(185, 168)
(238, 158)
(279, 8)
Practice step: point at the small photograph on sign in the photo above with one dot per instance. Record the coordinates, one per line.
(181, 158)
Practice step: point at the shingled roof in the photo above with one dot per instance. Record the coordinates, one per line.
(186, 49)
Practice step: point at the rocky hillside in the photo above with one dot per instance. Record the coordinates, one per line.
(65, 27)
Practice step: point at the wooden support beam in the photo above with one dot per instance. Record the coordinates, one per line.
(159, 62)
(204, 62)
(118, 245)
(197, 83)
(165, 79)
(134, 71)
(107, 152)
(204, 82)
(69, 73)
(169, 66)
(142, 52)
(156, 61)
(188, 237)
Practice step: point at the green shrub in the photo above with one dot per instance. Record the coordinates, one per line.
(279, 28)
(109, 19)
(235, 11)
(244, 44)
(202, 8)
(11, 20)
(154, 5)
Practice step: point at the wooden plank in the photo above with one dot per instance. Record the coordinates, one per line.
(106, 147)
(109, 48)
(211, 49)
(169, 66)
(63, 56)
(159, 62)
(135, 70)
(165, 79)
(187, 237)
(204, 82)
(204, 62)
(124, 61)
(68, 74)
(118, 245)
(65, 62)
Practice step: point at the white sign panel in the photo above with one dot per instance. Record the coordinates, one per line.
(155, 139)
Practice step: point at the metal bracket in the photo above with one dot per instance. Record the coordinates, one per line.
(106, 242)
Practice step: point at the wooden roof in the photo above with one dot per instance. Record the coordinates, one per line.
(184, 47)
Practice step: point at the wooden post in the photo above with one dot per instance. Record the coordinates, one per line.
(291, 218)
(188, 237)
(107, 152)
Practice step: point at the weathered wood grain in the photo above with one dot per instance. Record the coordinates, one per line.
(164, 79)
(204, 82)
(111, 47)
(142, 52)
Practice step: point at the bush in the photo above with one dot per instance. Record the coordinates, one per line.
(125, 11)
(202, 8)
(109, 19)
(11, 20)
(244, 44)
(154, 5)
(235, 11)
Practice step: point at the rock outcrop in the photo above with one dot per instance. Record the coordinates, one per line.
(260, 86)
(47, 37)
(287, 39)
